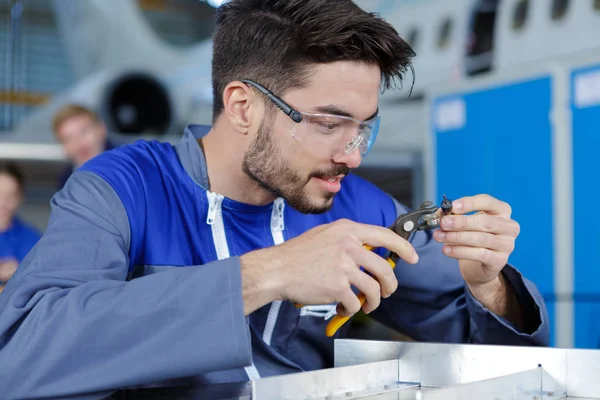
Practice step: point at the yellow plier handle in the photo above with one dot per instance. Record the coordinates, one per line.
(338, 320)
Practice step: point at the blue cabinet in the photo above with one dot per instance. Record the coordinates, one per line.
(498, 140)
(585, 112)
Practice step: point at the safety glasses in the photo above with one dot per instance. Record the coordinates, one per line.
(328, 135)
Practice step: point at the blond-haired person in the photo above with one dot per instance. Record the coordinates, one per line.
(82, 134)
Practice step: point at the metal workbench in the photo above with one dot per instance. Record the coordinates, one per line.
(425, 371)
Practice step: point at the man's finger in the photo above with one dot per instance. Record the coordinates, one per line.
(481, 223)
(377, 236)
(370, 289)
(348, 303)
(476, 239)
(484, 256)
(379, 268)
(481, 202)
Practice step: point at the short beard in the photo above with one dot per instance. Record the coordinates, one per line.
(265, 166)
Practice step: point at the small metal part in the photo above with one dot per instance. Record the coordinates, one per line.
(425, 205)
(408, 226)
(431, 220)
(446, 206)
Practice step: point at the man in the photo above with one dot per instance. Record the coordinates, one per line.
(17, 237)
(163, 262)
(82, 134)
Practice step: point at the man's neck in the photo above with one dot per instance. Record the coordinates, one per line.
(5, 224)
(224, 155)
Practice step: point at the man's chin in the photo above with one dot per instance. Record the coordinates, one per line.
(314, 205)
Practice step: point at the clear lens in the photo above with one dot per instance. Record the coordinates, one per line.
(333, 135)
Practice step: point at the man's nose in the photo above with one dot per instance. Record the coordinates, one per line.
(351, 160)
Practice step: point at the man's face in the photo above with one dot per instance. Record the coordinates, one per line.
(290, 168)
(10, 197)
(82, 138)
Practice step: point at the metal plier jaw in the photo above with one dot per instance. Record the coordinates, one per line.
(424, 218)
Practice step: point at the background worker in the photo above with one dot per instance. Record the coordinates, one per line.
(17, 237)
(82, 135)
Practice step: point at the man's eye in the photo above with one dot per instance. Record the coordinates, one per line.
(328, 126)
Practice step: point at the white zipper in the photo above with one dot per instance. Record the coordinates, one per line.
(277, 227)
(217, 227)
(214, 205)
(277, 220)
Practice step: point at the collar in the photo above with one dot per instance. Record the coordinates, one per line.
(191, 155)
(192, 158)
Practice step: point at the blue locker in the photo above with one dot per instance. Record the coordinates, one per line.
(585, 109)
(502, 146)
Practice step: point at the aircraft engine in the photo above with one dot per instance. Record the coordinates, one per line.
(138, 103)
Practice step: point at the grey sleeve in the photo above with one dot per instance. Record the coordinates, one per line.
(70, 323)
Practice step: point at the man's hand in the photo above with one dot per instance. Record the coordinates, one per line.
(319, 267)
(482, 242)
(8, 266)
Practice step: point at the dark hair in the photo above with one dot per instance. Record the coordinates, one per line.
(14, 171)
(275, 42)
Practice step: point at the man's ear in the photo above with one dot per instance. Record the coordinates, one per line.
(238, 103)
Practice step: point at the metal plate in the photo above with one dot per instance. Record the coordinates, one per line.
(442, 365)
(332, 384)
(421, 371)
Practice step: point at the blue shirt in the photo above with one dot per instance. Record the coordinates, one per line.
(137, 280)
(18, 240)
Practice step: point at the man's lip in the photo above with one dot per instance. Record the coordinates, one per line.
(326, 178)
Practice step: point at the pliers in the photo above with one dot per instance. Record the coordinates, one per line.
(424, 218)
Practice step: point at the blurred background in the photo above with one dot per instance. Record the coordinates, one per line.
(506, 101)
